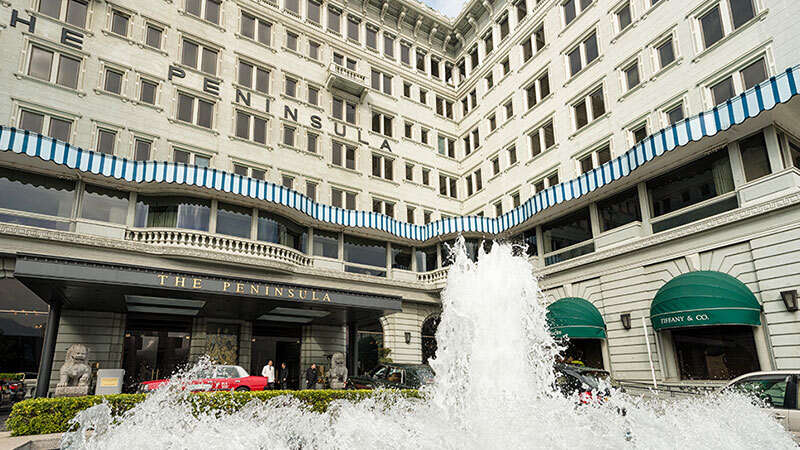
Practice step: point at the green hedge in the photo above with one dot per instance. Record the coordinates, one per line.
(52, 415)
(12, 376)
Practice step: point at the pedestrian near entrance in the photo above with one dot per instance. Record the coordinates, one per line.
(269, 372)
(311, 377)
(283, 376)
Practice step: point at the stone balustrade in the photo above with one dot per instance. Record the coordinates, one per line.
(433, 276)
(211, 242)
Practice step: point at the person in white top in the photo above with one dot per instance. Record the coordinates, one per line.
(269, 373)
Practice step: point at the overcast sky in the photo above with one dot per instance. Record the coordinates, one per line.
(449, 8)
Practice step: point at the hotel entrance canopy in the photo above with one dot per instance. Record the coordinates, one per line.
(96, 286)
(704, 298)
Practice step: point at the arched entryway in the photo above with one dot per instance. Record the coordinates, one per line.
(710, 323)
(581, 322)
(429, 327)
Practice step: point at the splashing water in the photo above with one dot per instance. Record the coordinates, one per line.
(493, 389)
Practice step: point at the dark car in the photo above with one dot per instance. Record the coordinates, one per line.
(589, 383)
(394, 376)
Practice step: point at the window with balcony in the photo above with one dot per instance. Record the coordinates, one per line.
(104, 205)
(361, 252)
(172, 212)
(234, 220)
(619, 210)
(426, 258)
(567, 237)
(326, 244)
(279, 230)
(755, 157)
(48, 200)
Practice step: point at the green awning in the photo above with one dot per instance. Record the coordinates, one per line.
(704, 298)
(575, 318)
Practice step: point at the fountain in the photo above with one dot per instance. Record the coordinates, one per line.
(493, 389)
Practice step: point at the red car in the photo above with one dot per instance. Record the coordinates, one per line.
(217, 378)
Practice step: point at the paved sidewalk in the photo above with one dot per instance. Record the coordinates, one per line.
(38, 442)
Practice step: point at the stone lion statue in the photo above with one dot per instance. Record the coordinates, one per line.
(76, 370)
(338, 376)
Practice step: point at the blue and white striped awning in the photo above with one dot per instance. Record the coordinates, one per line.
(763, 97)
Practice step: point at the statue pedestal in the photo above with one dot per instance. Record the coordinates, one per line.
(338, 385)
(72, 391)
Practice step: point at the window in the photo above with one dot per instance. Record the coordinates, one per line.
(326, 244)
(583, 54)
(206, 9)
(675, 114)
(754, 73)
(410, 213)
(344, 110)
(723, 353)
(256, 28)
(234, 220)
(755, 158)
(409, 172)
(408, 130)
(334, 20)
(492, 122)
(504, 28)
(495, 165)
(693, 183)
(537, 90)
(55, 127)
(488, 43)
(423, 96)
(405, 53)
(113, 81)
(36, 194)
(711, 26)
(191, 56)
(623, 16)
(313, 95)
(546, 182)
(366, 252)
(281, 231)
(382, 123)
(343, 155)
(187, 157)
(435, 62)
(447, 186)
(426, 257)
(594, 159)
(505, 66)
(257, 174)
(536, 41)
(522, 10)
(172, 212)
(446, 146)
(473, 58)
(119, 23)
(388, 46)
(426, 177)
(54, 67)
(512, 155)
(311, 190)
(420, 60)
(489, 81)
(289, 133)
(71, 11)
(287, 181)
(290, 87)
(104, 205)
(542, 138)
(106, 139)
(253, 77)
(293, 6)
(192, 109)
(571, 9)
(311, 142)
(353, 28)
(666, 53)
(631, 75)
(741, 12)
(141, 149)
(639, 133)
(722, 91)
(343, 199)
(251, 127)
(314, 11)
(427, 216)
(382, 166)
(383, 207)
(509, 107)
(291, 41)
(567, 232)
(423, 135)
(619, 210)
(381, 82)
(498, 209)
(153, 36)
(589, 109)
(372, 37)
(313, 50)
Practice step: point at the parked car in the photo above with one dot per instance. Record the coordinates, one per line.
(394, 376)
(216, 378)
(589, 383)
(777, 391)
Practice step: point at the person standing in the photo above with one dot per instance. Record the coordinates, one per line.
(283, 377)
(311, 377)
(269, 373)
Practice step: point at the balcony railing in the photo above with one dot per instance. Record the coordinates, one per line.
(433, 276)
(347, 80)
(225, 244)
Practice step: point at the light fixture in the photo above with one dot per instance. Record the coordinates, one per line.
(790, 300)
(626, 320)
(408, 337)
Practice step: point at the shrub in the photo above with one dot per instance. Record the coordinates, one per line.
(52, 415)
(12, 376)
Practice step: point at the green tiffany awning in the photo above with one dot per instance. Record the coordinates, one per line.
(575, 318)
(704, 298)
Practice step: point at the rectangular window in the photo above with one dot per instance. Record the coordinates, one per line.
(105, 141)
(741, 11)
(666, 53)
(754, 73)
(334, 20)
(405, 53)
(290, 87)
(113, 81)
(542, 138)
(311, 190)
(142, 150)
(711, 25)
(722, 91)
(190, 56)
(504, 28)
(639, 133)
(313, 50)
(372, 37)
(293, 6)
(311, 142)
(314, 11)
(289, 135)
(119, 23)
(619, 210)
(675, 114)
(313, 95)
(631, 74)
(583, 54)
(488, 43)
(195, 110)
(512, 156)
(623, 15)
(41, 65)
(382, 123)
(291, 41)
(589, 108)
(153, 36)
(421, 60)
(522, 10)
(565, 232)
(353, 28)
(388, 46)
(755, 158)
(326, 243)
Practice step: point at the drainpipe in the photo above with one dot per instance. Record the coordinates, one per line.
(48, 348)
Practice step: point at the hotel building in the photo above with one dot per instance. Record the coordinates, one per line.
(280, 179)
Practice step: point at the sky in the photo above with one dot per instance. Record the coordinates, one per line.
(449, 8)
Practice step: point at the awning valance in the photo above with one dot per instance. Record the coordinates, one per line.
(704, 298)
(575, 317)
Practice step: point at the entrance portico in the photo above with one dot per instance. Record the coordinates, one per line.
(219, 314)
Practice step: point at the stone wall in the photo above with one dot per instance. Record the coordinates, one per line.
(318, 342)
(395, 326)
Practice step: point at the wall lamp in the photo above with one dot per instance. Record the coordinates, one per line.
(408, 337)
(790, 300)
(626, 320)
